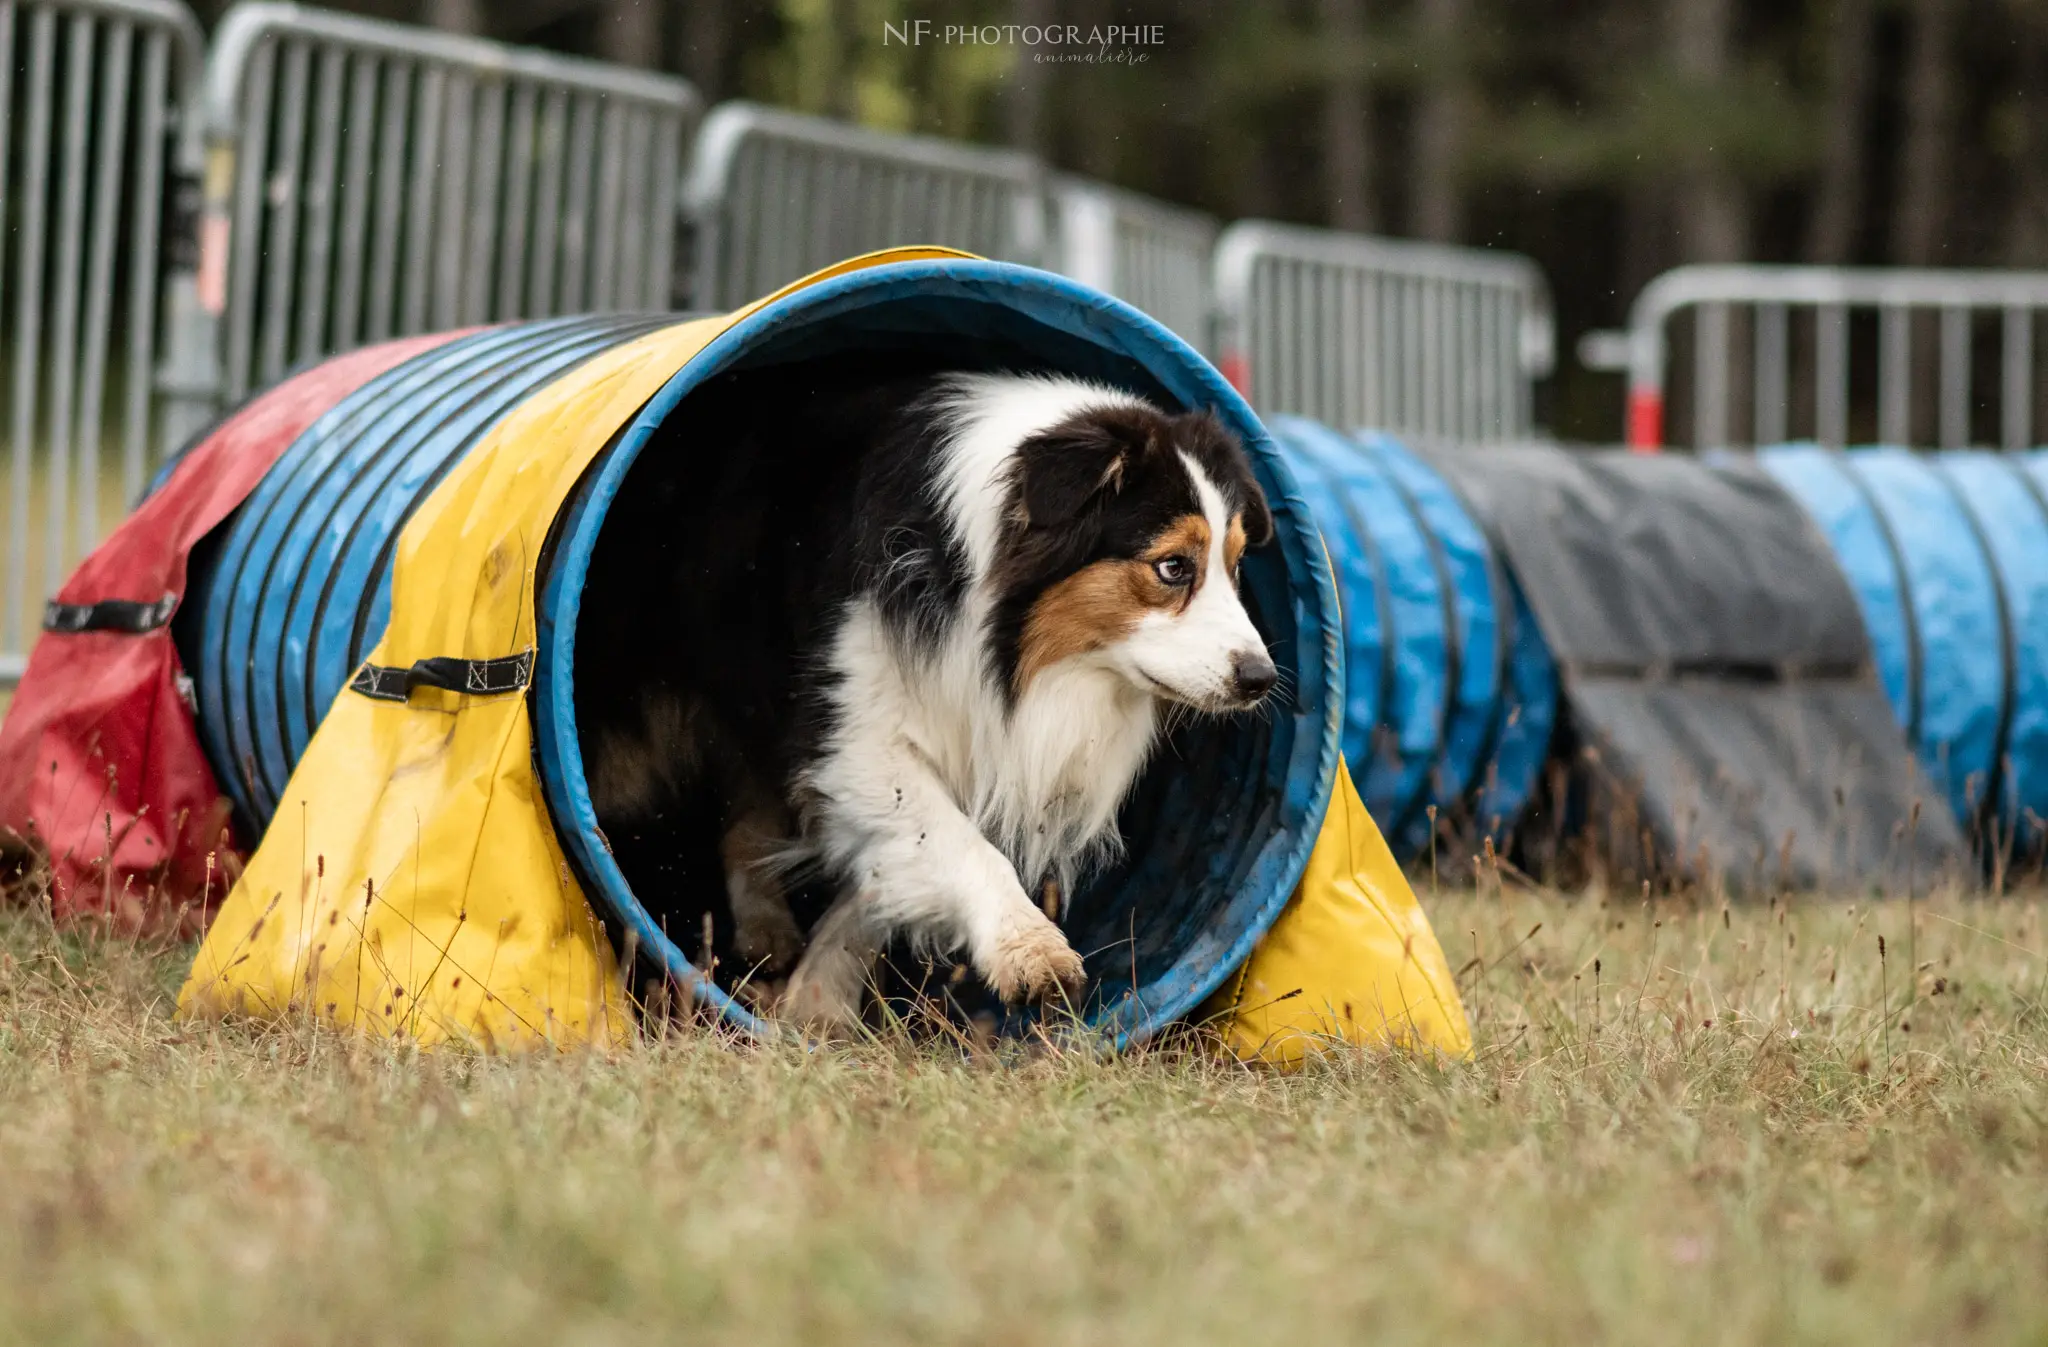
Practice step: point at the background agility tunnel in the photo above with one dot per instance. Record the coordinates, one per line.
(1723, 697)
(291, 593)
(1450, 694)
(1947, 555)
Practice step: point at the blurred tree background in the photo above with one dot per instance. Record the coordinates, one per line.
(1610, 139)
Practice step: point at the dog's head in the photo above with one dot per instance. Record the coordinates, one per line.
(1120, 546)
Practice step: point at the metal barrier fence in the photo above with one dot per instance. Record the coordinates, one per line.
(363, 180)
(1416, 338)
(368, 180)
(773, 195)
(90, 93)
(1146, 252)
(1966, 309)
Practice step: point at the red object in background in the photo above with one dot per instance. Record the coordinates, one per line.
(100, 763)
(1237, 369)
(1646, 420)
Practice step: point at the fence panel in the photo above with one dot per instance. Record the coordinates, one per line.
(773, 195)
(1147, 252)
(1923, 385)
(367, 180)
(1421, 339)
(92, 95)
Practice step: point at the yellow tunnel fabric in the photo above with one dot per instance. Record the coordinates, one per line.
(1352, 958)
(412, 884)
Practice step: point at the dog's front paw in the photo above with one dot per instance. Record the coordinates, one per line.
(1034, 962)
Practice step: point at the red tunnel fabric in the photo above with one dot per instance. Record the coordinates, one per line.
(100, 763)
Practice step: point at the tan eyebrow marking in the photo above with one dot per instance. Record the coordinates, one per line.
(1099, 604)
(1186, 536)
(1234, 542)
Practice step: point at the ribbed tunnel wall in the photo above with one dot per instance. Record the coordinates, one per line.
(1947, 555)
(1450, 695)
(297, 588)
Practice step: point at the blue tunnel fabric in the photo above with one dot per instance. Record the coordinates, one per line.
(1475, 652)
(1392, 756)
(1948, 557)
(1528, 717)
(1360, 573)
(1868, 553)
(1451, 692)
(295, 589)
(2011, 517)
(1955, 613)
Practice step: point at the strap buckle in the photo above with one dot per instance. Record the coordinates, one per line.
(132, 616)
(471, 677)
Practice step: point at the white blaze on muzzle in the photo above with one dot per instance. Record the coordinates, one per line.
(1198, 653)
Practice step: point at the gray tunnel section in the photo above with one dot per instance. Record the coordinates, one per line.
(1729, 722)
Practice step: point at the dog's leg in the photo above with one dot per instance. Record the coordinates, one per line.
(645, 755)
(765, 934)
(890, 825)
(824, 993)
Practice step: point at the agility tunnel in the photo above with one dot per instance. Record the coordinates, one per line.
(1947, 555)
(294, 597)
(1802, 667)
(1715, 677)
(1450, 693)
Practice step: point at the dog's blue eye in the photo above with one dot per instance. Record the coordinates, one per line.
(1174, 570)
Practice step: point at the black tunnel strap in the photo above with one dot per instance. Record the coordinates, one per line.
(132, 616)
(475, 677)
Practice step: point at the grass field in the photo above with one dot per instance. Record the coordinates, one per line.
(1685, 1124)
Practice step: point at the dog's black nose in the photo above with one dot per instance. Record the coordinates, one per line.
(1253, 674)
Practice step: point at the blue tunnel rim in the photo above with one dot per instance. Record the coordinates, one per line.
(1119, 330)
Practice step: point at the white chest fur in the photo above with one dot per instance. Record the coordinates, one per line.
(1041, 780)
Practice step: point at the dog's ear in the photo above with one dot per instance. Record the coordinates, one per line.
(1068, 468)
(1257, 515)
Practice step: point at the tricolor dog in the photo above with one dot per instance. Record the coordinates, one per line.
(923, 633)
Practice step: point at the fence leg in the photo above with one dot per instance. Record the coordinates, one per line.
(1646, 420)
(189, 378)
